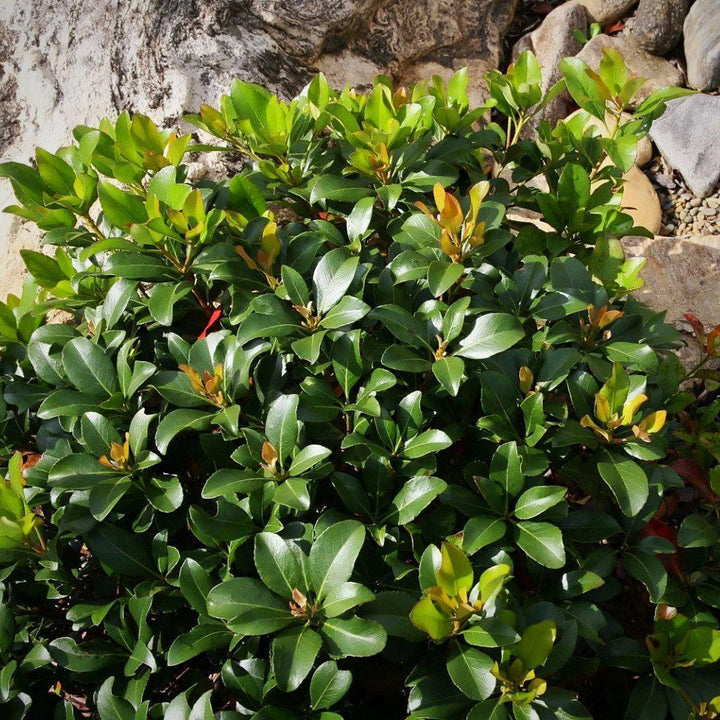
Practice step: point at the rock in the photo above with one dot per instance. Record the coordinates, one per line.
(657, 26)
(702, 44)
(688, 136)
(551, 42)
(681, 275)
(606, 11)
(644, 146)
(344, 67)
(415, 39)
(307, 27)
(644, 152)
(70, 62)
(640, 200)
(657, 71)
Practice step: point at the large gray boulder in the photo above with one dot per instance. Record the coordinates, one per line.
(688, 136)
(702, 45)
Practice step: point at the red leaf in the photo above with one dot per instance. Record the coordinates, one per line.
(214, 317)
(713, 342)
(690, 471)
(658, 528)
(697, 327)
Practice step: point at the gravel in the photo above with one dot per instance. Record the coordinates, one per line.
(682, 212)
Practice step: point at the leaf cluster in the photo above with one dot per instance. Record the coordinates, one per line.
(346, 434)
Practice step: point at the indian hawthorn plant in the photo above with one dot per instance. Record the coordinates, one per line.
(347, 433)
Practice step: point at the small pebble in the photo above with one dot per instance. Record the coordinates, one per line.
(682, 212)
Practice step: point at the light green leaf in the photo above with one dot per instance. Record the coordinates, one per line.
(492, 334)
(355, 637)
(277, 565)
(430, 441)
(542, 542)
(482, 530)
(328, 685)
(537, 500)
(179, 421)
(281, 424)
(469, 669)
(536, 644)
(89, 368)
(449, 373)
(416, 494)
(248, 607)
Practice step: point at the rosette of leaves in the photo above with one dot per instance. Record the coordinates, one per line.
(305, 601)
(286, 399)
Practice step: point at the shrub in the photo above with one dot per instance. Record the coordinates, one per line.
(347, 434)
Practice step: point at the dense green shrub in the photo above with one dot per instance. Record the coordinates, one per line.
(344, 435)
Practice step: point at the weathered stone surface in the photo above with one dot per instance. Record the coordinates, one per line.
(682, 274)
(657, 26)
(604, 11)
(657, 71)
(552, 41)
(416, 39)
(640, 200)
(688, 136)
(70, 62)
(702, 44)
(307, 27)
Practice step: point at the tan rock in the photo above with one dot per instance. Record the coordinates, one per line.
(640, 200)
(682, 275)
(658, 72)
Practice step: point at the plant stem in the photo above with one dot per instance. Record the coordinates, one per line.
(93, 226)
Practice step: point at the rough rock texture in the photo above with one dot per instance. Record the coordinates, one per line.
(640, 200)
(416, 39)
(305, 29)
(74, 61)
(682, 274)
(605, 11)
(702, 44)
(688, 136)
(70, 62)
(551, 42)
(658, 72)
(657, 25)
